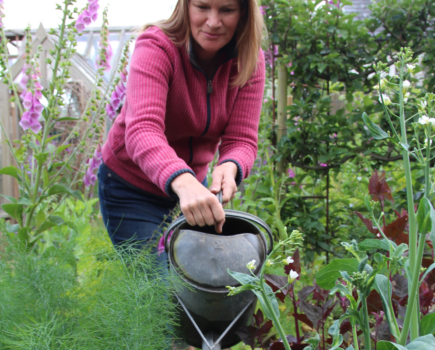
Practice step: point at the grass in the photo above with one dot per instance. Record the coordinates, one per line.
(81, 295)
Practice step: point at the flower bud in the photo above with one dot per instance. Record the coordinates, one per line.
(251, 265)
(292, 276)
(406, 85)
(269, 262)
(288, 261)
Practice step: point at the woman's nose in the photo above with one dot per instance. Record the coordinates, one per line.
(214, 20)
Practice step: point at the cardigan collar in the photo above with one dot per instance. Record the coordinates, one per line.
(227, 53)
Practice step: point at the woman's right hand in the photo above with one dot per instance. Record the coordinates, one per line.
(198, 204)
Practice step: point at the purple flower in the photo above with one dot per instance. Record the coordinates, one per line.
(28, 100)
(291, 174)
(115, 100)
(293, 183)
(123, 75)
(80, 25)
(93, 163)
(110, 112)
(161, 244)
(263, 10)
(323, 164)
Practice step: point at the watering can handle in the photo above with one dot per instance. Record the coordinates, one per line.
(228, 213)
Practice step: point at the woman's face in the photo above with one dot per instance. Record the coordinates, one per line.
(212, 24)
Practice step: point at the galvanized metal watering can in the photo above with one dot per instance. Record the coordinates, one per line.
(208, 317)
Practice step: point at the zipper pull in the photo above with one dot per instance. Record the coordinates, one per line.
(209, 87)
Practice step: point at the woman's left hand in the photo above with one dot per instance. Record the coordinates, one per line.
(224, 179)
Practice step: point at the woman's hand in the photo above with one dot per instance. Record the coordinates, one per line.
(224, 179)
(200, 206)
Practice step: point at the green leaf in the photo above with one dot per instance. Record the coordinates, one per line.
(384, 287)
(14, 210)
(427, 324)
(424, 216)
(9, 198)
(370, 244)
(363, 264)
(23, 235)
(400, 250)
(340, 288)
(61, 189)
(426, 342)
(334, 331)
(11, 171)
(51, 222)
(62, 148)
(243, 278)
(386, 345)
(41, 158)
(327, 275)
(314, 342)
(374, 129)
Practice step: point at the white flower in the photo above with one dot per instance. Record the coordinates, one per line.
(376, 87)
(386, 99)
(432, 121)
(424, 120)
(292, 276)
(426, 142)
(269, 262)
(423, 104)
(251, 265)
(406, 96)
(410, 67)
(382, 82)
(288, 261)
(406, 84)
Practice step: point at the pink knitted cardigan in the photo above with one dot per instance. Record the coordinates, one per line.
(174, 118)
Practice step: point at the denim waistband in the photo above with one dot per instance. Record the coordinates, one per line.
(118, 178)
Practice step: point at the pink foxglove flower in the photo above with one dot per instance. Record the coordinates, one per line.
(93, 163)
(161, 244)
(88, 16)
(291, 173)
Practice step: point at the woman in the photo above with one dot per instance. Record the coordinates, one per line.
(195, 86)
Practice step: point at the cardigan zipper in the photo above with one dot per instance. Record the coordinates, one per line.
(207, 125)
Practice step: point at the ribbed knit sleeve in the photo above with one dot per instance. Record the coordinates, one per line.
(151, 72)
(240, 138)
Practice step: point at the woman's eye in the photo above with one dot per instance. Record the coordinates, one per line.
(228, 10)
(202, 7)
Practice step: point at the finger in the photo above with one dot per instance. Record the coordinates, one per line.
(229, 188)
(216, 185)
(207, 215)
(218, 226)
(198, 216)
(219, 216)
(189, 217)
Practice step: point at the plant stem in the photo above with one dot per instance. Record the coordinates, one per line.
(275, 320)
(48, 120)
(295, 308)
(411, 213)
(355, 335)
(410, 311)
(367, 339)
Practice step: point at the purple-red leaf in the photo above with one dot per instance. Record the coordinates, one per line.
(247, 335)
(379, 188)
(367, 222)
(395, 230)
(276, 283)
(305, 292)
(374, 302)
(295, 265)
(259, 318)
(303, 318)
(313, 312)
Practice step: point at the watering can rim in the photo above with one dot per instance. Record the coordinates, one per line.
(231, 214)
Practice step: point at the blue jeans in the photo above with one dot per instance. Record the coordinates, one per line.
(131, 214)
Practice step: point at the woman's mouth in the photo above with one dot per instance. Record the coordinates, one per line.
(212, 36)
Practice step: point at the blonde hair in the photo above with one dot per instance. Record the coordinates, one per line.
(248, 35)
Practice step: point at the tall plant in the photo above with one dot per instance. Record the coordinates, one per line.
(40, 162)
(415, 115)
